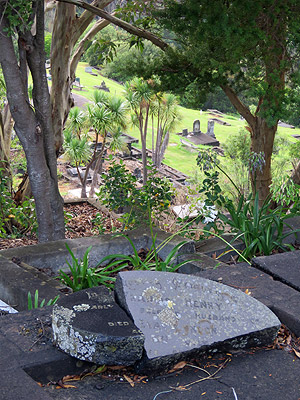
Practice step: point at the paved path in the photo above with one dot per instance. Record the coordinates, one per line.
(80, 101)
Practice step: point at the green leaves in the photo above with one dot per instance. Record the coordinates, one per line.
(152, 261)
(119, 192)
(82, 276)
(19, 15)
(35, 303)
(260, 229)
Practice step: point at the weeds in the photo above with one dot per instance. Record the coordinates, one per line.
(35, 303)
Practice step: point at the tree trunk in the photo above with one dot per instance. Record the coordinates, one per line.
(66, 32)
(23, 191)
(143, 132)
(98, 167)
(6, 125)
(262, 140)
(34, 130)
(296, 174)
(163, 149)
(62, 46)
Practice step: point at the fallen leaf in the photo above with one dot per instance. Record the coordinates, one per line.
(40, 384)
(129, 380)
(178, 366)
(138, 378)
(70, 387)
(69, 378)
(116, 367)
(180, 388)
(61, 384)
(219, 392)
(202, 394)
(297, 353)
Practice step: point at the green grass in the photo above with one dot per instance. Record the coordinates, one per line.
(177, 155)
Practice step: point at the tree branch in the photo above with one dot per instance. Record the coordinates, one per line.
(87, 17)
(81, 47)
(239, 106)
(122, 24)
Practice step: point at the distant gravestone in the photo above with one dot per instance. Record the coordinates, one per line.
(185, 132)
(184, 316)
(89, 325)
(137, 173)
(210, 128)
(72, 172)
(89, 70)
(104, 87)
(196, 126)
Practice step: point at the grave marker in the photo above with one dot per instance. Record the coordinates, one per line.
(185, 132)
(184, 316)
(210, 128)
(89, 325)
(196, 126)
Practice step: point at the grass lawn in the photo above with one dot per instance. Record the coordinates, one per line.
(177, 155)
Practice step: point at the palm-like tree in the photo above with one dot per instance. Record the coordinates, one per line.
(108, 115)
(78, 151)
(167, 115)
(76, 121)
(139, 95)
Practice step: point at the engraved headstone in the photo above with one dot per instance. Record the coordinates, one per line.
(185, 132)
(210, 128)
(89, 325)
(196, 126)
(183, 316)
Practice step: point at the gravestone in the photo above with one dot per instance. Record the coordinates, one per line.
(137, 173)
(185, 132)
(72, 172)
(89, 325)
(185, 316)
(210, 128)
(104, 87)
(196, 126)
(89, 70)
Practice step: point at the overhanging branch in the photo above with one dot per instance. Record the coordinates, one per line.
(122, 24)
(239, 106)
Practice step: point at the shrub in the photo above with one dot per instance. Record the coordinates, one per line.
(260, 228)
(15, 221)
(120, 193)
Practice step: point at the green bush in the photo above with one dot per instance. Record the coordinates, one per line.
(15, 221)
(120, 193)
(261, 229)
(83, 277)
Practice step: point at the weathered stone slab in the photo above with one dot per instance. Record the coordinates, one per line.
(285, 267)
(89, 325)
(183, 316)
